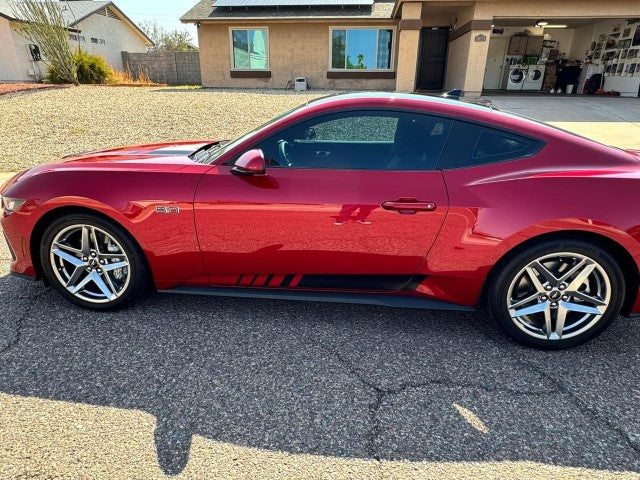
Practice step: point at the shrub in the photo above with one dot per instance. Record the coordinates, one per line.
(89, 68)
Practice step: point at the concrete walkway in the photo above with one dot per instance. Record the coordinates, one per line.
(613, 121)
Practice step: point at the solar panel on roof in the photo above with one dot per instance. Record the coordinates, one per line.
(290, 3)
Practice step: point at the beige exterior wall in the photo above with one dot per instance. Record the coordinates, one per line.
(295, 50)
(302, 49)
(118, 36)
(9, 64)
(409, 49)
(15, 58)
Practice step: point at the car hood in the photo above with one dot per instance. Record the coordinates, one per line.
(175, 152)
(167, 157)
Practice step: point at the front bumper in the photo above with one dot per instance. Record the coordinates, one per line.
(15, 228)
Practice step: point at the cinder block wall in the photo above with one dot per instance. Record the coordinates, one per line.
(172, 68)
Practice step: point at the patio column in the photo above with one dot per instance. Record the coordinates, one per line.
(468, 49)
(408, 46)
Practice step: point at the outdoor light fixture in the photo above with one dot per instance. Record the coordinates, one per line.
(556, 26)
(542, 23)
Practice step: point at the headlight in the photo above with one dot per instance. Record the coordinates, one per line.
(10, 205)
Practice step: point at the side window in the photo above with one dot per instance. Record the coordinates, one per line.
(472, 145)
(498, 145)
(360, 140)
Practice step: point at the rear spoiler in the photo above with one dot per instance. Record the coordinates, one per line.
(454, 94)
(635, 153)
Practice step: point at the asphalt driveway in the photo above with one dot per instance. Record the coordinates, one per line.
(273, 389)
(201, 387)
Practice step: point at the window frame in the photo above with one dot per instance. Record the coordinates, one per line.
(392, 60)
(267, 46)
(229, 157)
(537, 145)
(256, 143)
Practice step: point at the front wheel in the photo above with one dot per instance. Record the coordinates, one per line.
(558, 294)
(93, 262)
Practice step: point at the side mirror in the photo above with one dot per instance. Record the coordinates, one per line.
(250, 163)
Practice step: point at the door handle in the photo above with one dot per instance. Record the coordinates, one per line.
(409, 205)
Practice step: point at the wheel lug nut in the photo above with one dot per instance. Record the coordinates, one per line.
(99, 270)
(554, 304)
(562, 286)
(84, 259)
(543, 298)
(102, 262)
(88, 269)
(93, 254)
(565, 297)
(548, 287)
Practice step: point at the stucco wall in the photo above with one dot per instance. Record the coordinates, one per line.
(15, 58)
(295, 49)
(118, 37)
(9, 65)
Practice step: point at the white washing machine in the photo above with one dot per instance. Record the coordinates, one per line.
(534, 78)
(517, 77)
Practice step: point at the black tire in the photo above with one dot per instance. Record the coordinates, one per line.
(497, 294)
(139, 283)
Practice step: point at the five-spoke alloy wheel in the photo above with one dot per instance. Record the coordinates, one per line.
(557, 295)
(92, 262)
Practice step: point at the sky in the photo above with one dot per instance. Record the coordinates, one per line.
(166, 12)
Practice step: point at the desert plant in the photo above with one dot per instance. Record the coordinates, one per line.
(125, 77)
(91, 68)
(88, 68)
(42, 23)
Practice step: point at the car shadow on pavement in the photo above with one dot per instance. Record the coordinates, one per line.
(327, 379)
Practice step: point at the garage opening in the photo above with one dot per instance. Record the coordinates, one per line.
(564, 56)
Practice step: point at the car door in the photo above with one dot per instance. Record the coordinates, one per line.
(351, 200)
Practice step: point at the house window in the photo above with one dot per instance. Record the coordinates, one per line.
(82, 38)
(101, 41)
(73, 37)
(361, 48)
(94, 40)
(250, 49)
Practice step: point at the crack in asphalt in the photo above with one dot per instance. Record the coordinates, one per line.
(20, 321)
(584, 406)
(381, 394)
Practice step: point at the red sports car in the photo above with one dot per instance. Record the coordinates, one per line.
(388, 199)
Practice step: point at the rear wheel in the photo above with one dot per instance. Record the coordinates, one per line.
(558, 294)
(93, 262)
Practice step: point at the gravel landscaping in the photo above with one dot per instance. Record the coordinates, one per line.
(43, 126)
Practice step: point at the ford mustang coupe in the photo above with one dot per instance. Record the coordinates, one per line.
(388, 199)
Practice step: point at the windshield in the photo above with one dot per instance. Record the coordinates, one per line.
(214, 153)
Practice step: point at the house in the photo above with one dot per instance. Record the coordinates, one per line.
(97, 27)
(425, 45)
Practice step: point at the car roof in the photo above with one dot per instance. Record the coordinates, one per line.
(401, 96)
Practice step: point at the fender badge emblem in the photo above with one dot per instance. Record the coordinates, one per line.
(167, 209)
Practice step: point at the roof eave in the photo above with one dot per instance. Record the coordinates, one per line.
(123, 16)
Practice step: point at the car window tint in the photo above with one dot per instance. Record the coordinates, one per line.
(493, 143)
(472, 145)
(357, 128)
(366, 140)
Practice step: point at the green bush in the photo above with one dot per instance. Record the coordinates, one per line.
(90, 69)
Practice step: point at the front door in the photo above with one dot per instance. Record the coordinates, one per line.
(350, 201)
(433, 58)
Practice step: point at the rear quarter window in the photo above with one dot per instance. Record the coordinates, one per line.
(471, 145)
